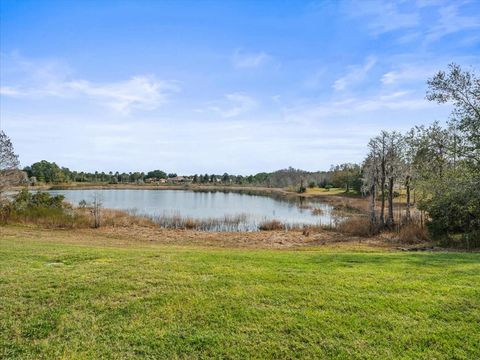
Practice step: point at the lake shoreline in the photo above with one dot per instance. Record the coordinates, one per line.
(341, 200)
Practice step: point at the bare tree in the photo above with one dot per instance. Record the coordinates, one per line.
(394, 169)
(370, 182)
(96, 209)
(378, 153)
(9, 172)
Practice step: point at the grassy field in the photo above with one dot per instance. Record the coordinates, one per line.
(59, 299)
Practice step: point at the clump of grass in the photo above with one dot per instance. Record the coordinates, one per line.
(412, 233)
(355, 225)
(270, 225)
(317, 211)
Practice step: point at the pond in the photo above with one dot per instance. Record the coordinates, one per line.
(233, 211)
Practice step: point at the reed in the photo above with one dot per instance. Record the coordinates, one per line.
(226, 223)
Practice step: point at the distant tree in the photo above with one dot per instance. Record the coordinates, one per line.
(156, 174)
(225, 178)
(47, 172)
(172, 175)
(347, 176)
(195, 179)
(462, 89)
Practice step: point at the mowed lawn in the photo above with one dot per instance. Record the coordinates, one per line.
(64, 300)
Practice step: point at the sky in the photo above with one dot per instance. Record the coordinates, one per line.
(222, 86)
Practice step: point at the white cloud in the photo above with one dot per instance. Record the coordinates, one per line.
(384, 16)
(409, 73)
(29, 79)
(237, 104)
(354, 107)
(451, 21)
(242, 59)
(355, 74)
(139, 92)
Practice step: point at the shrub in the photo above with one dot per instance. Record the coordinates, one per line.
(454, 211)
(41, 208)
(271, 225)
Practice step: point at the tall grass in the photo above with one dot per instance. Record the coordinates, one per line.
(227, 223)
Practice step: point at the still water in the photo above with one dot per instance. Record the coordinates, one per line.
(253, 209)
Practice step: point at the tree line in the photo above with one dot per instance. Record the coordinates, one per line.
(439, 165)
(345, 176)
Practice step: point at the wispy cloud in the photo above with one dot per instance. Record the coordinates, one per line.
(354, 107)
(451, 21)
(429, 20)
(355, 74)
(235, 104)
(242, 59)
(138, 92)
(27, 79)
(384, 16)
(409, 73)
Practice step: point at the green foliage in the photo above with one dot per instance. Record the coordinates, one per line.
(347, 176)
(47, 172)
(40, 208)
(454, 209)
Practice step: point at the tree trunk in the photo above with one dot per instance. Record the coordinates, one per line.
(382, 185)
(407, 210)
(373, 216)
(390, 221)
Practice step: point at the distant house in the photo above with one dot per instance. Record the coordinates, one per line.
(155, 181)
(180, 179)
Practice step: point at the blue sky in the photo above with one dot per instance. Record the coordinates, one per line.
(215, 86)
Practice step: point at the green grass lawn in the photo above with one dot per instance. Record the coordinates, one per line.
(60, 300)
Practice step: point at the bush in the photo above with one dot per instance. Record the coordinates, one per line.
(454, 211)
(355, 225)
(41, 208)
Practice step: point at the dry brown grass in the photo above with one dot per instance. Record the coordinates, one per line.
(355, 225)
(412, 234)
(119, 218)
(271, 225)
(317, 211)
